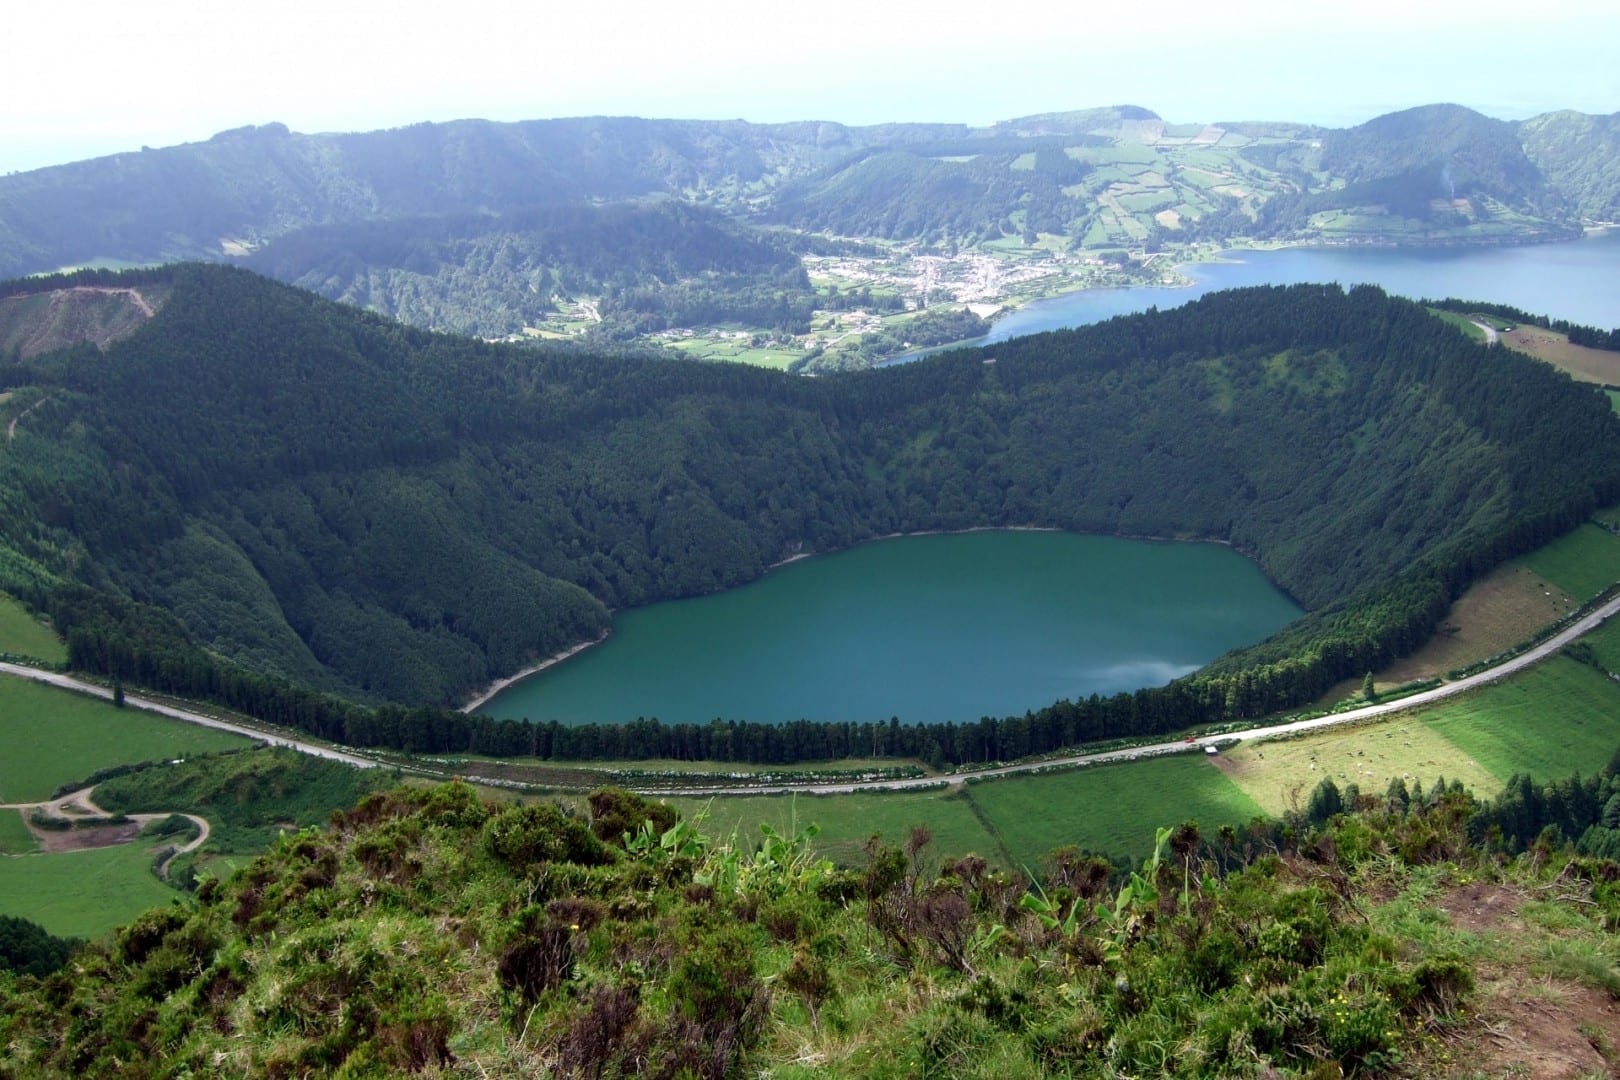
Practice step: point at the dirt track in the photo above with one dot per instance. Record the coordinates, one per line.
(79, 806)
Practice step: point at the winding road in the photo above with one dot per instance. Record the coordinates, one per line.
(1535, 654)
(85, 811)
(68, 682)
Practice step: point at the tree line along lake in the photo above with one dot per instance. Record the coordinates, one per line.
(952, 628)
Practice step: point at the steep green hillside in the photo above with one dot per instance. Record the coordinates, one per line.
(667, 264)
(249, 185)
(919, 192)
(1439, 169)
(427, 932)
(1576, 153)
(326, 498)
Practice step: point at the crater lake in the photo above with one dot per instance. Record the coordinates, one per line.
(928, 628)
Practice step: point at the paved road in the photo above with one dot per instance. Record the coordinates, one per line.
(1518, 663)
(1473, 682)
(68, 682)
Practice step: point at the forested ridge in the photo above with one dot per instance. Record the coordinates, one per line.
(654, 266)
(474, 226)
(269, 499)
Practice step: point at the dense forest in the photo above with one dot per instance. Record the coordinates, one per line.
(304, 511)
(428, 931)
(656, 266)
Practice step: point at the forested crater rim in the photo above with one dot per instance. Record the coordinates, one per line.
(316, 498)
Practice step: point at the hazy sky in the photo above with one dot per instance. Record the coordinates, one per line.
(101, 76)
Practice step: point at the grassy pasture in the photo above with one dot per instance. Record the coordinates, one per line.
(25, 635)
(1012, 822)
(15, 838)
(1614, 399)
(1497, 612)
(1143, 202)
(1113, 808)
(1605, 643)
(1583, 563)
(847, 821)
(82, 893)
(1461, 322)
(737, 351)
(52, 737)
(249, 798)
(1555, 719)
(1280, 775)
(1550, 721)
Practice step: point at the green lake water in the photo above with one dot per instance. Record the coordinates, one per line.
(926, 628)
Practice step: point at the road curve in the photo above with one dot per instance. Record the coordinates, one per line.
(1507, 667)
(68, 682)
(1535, 654)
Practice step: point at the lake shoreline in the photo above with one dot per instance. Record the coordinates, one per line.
(484, 696)
(801, 556)
(498, 686)
(1185, 270)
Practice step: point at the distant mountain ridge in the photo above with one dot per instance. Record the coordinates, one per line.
(250, 184)
(454, 196)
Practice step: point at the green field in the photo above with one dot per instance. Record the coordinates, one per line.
(249, 798)
(53, 737)
(82, 893)
(1583, 563)
(1012, 822)
(1461, 322)
(1605, 645)
(847, 821)
(1113, 809)
(15, 839)
(736, 350)
(1555, 719)
(1280, 774)
(25, 635)
(1558, 718)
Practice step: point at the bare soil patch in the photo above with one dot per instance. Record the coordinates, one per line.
(86, 837)
(1588, 365)
(1524, 1025)
(1483, 907)
(1540, 1029)
(35, 323)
